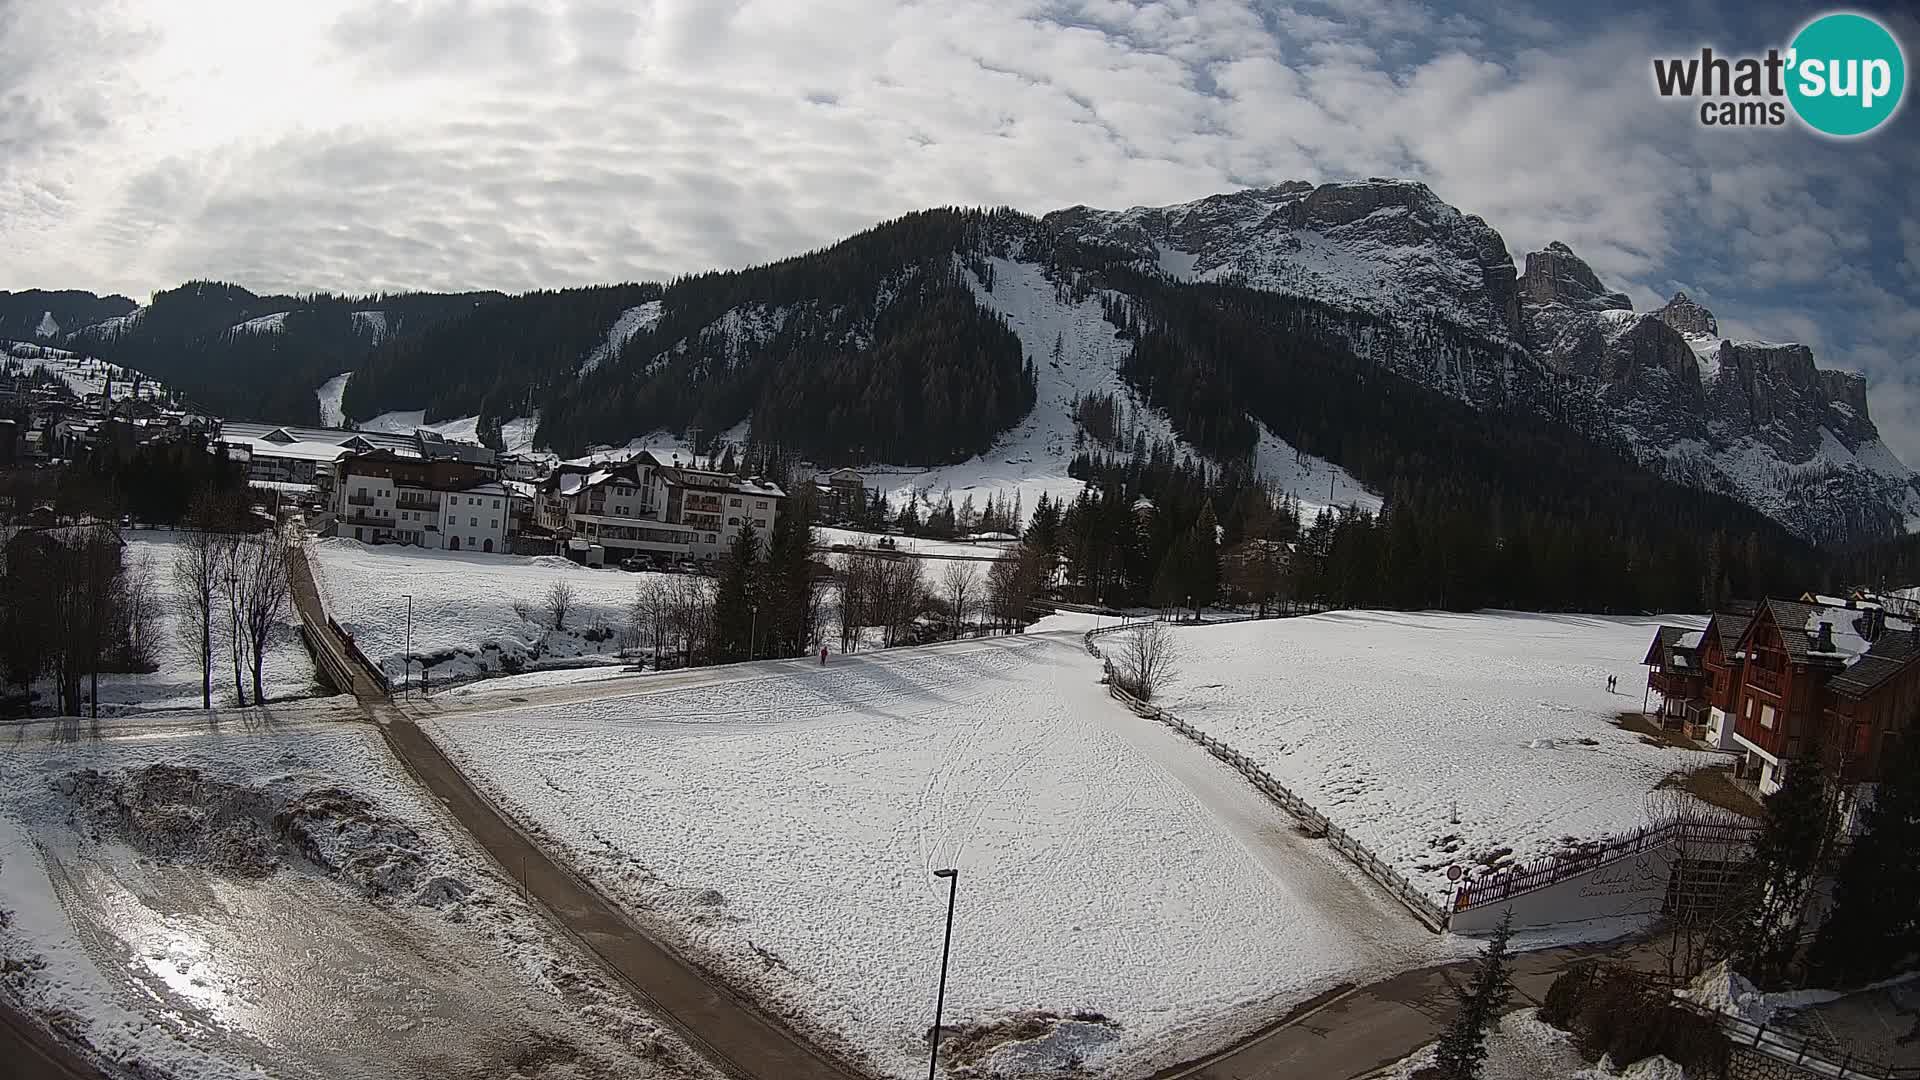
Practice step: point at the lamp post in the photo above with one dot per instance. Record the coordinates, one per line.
(753, 633)
(406, 666)
(940, 1001)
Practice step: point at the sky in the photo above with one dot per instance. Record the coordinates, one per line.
(367, 145)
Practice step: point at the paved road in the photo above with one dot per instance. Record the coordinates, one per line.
(30, 1052)
(732, 1032)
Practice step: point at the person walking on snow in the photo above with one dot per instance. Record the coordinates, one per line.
(823, 656)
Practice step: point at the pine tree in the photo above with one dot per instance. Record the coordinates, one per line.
(1203, 560)
(1873, 930)
(786, 580)
(735, 597)
(1762, 933)
(1463, 1049)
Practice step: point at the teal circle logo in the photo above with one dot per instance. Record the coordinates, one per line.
(1846, 74)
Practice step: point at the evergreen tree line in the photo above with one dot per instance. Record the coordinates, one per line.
(185, 338)
(874, 349)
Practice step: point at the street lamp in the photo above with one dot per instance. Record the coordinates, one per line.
(940, 1001)
(406, 665)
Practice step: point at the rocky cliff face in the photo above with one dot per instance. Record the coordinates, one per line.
(1758, 421)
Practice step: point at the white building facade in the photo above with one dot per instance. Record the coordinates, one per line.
(644, 508)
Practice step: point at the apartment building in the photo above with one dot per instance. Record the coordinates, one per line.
(447, 497)
(642, 507)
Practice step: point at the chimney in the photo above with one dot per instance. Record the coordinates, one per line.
(1823, 641)
(1871, 622)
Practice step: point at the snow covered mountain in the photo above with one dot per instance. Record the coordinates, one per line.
(922, 340)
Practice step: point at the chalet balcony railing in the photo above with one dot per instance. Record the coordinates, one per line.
(360, 500)
(1773, 682)
(1676, 684)
(416, 502)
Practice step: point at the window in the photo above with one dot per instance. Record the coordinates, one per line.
(494, 524)
(1766, 717)
(760, 504)
(712, 539)
(472, 523)
(496, 504)
(733, 502)
(1749, 708)
(733, 521)
(362, 492)
(760, 523)
(451, 520)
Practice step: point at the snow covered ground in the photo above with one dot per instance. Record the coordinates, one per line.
(1033, 457)
(175, 684)
(331, 394)
(464, 622)
(918, 545)
(285, 904)
(83, 374)
(781, 821)
(515, 434)
(1385, 721)
(1524, 1047)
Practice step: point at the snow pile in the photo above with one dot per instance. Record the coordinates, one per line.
(222, 905)
(465, 621)
(1725, 990)
(1396, 724)
(1523, 1047)
(1030, 1043)
(631, 321)
(752, 814)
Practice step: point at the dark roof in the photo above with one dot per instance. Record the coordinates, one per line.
(1893, 652)
(1791, 617)
(1731, 628)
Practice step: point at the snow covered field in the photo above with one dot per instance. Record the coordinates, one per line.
(464, 622)
(175, 684)
(1383, 721)
(781, 822)
(285, 904)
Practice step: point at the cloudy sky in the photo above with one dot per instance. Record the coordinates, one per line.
(367, 145)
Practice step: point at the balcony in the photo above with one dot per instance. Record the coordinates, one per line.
(359, 500)
(1771, 682)
(416, 502)
(1674, 684)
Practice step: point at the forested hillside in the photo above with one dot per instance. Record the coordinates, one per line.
(253, 357)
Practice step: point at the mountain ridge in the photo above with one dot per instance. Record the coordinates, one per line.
(1393, 273)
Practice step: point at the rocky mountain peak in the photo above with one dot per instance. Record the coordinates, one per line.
(1684, 315)
(1555, 275)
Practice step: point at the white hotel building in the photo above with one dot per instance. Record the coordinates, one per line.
(644, 507)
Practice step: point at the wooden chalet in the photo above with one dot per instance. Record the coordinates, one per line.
(1837, 679)
(1676, 673)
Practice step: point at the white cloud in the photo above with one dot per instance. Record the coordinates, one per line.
(489, 143)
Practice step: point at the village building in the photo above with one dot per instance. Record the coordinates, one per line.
(642, 508)
(434, 494)
(1836, 678)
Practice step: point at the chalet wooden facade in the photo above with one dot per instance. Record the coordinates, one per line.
(1675, 672)
(1835, 677)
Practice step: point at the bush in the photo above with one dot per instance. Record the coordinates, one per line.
(1625, 1015)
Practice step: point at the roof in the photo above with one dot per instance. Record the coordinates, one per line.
(1730, 627)
(1674, 647)
(1791, 617)
(1892, 653)
(298, 451)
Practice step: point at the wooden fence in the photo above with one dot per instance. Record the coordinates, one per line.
(1798, 1051)
(1553, 869)
(1422, 906)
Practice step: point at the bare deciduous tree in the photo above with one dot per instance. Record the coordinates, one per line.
(559, 602)
(523, 611)
(196, 592)
(1144, 658)
(958, 587)
(268, 588)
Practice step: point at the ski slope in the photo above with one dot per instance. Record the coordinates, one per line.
(1032, 458)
